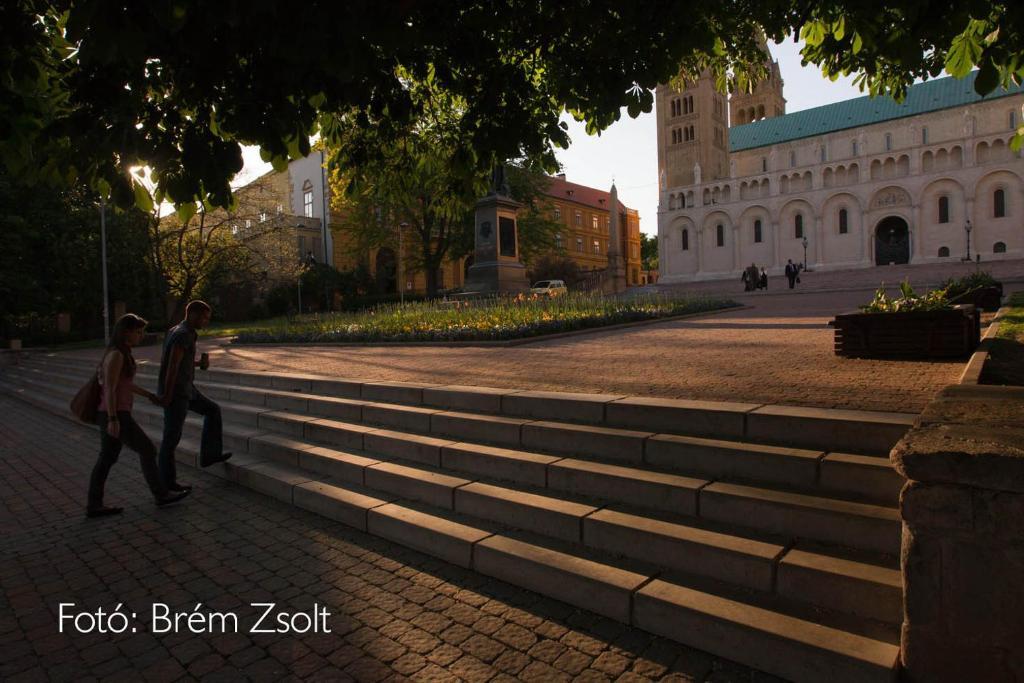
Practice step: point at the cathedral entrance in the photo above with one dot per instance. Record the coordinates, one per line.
(892, 241)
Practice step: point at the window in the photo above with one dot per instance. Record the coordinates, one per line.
(593, 222)
(943, 252)
(633, 250)
(999, 204)
(798, 226)
(764, 165)
(597, 247)
(853, 147)
(248, 222)
(943, 209)
(263, 216)
(686, 240)
(579, 245)
(675, 136)
(1013, 120)
(888, 142)
(280, 209)
(307, 203)
(693, 135)
(757, 230)
(844, 224)
(824, 154)
(999, 248)
(720, 235)
(558, 240)
(924, 135)
(558, 214)
(578, 219)
(792, 159)
(234, 230)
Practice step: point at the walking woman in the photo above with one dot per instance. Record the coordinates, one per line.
(117, 427)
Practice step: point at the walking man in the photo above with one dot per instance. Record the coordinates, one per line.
(791, 273)
(179, 395)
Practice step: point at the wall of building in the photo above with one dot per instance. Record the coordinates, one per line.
(895, 168)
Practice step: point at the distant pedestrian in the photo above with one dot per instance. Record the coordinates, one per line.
(764, 278)
(117, 427)
(745, 277)
(791, 273)
(179, 395)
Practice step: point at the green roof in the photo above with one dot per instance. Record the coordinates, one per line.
(941, 93)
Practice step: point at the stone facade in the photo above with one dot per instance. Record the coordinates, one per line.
(901, 189)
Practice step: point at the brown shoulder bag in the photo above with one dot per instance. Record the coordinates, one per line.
(86, 403)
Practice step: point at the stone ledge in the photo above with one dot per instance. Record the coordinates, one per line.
(969, 436)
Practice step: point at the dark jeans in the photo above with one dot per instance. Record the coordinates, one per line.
(792, 281)
(136, 439)
(212, 444)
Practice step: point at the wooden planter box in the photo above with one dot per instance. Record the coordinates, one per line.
(985, 298)
(922, 334)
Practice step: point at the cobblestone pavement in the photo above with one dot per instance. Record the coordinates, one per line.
(395, 614)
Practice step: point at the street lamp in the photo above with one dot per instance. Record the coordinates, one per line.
(103, 256)
(805, 252)
(967, 229)
(401, 266)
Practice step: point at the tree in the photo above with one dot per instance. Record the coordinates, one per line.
(417, 186)
(90, 89)
(649, 251)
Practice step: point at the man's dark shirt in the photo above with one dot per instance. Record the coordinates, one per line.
(184, 336)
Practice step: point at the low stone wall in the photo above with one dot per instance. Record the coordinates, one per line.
(963, 537)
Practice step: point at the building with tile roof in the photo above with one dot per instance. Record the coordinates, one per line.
(860, 183)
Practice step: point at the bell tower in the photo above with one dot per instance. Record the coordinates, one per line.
(766, 100)
(693, 133)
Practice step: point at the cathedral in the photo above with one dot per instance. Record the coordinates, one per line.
(855, 184)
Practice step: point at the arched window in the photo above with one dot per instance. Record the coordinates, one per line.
(999, 204)
(757, 230)
(798, 226)
(943, 209)
(844, 225)
(686, 240)
(943, 252)
(999, 248)
(307, 199)
(720, 234)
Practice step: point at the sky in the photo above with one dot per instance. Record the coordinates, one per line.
(626, 152)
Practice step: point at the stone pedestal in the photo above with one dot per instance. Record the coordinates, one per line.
(963, 537)
(496, 266)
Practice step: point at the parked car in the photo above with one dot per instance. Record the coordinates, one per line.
(549, 287)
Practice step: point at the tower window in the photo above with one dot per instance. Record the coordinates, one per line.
(924, 135)
(943, 252)
(853, 147)
(824, 154)
(844, 225)
(720, 235)
(686, 240)
(792, 159)
(798, 226)
(764, 165)
(1013, 120)
(757, 230)
(888, 142)
(943, 209)
(999, 248)
(999, 204)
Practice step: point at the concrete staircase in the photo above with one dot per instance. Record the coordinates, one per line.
(764, 534)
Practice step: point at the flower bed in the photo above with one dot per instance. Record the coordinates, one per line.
(480, 320)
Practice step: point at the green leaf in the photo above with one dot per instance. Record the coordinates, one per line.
(813, 33)
(186, 212)
(839, 28)
(987, 79)
(964, 53)
(142, 198)
(858, 43)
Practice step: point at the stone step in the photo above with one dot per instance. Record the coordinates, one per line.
(865, 432)
(795, 515)
(769, 639)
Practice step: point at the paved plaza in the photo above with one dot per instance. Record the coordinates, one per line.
(396, 613)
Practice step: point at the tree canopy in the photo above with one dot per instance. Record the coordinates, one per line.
(90, 89)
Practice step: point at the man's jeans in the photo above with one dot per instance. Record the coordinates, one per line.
(175, 413)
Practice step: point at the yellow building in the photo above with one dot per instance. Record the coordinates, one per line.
(583, 212)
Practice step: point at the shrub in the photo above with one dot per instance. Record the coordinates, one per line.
(907, 301)
(954, 287)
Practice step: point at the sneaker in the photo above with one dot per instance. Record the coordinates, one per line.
(206, 462)
(170, 497)
(103, 511)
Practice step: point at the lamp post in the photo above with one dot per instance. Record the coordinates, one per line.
(401, 266)
(103, 256)
(805, 252)
(967, 230)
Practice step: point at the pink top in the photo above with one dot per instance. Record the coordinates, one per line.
(122, 392)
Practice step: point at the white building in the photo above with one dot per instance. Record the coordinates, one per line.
(866, 181)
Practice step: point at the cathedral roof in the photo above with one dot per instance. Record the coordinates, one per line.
(941, 93)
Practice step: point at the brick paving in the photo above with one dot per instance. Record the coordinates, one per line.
(396, 614)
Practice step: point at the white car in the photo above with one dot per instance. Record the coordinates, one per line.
(549, 287)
